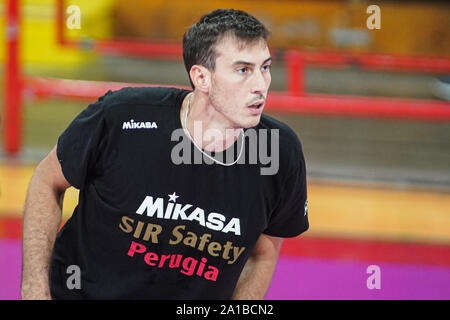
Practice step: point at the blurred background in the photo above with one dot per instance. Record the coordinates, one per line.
(368, 97)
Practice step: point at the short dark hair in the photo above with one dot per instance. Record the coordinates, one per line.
(200, 38)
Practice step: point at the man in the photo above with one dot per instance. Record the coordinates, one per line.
(147, 227)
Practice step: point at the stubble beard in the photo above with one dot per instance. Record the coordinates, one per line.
(220, 103)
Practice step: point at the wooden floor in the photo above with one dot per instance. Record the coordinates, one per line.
(335, 210)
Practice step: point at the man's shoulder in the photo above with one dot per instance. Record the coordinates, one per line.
(142, 95)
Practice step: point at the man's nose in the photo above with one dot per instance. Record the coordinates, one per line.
(259, 83)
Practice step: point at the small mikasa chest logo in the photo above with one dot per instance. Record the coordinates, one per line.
(127, 125)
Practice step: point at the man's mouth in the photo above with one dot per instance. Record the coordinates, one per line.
(257, 104)
(257, 107)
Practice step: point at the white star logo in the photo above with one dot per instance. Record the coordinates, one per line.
(173, 197)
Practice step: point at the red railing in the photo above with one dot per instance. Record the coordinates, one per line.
(297, 60)
(393, 108)
(166, 50)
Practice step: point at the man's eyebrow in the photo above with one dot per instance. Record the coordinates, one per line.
(267, 60)
(240, 62)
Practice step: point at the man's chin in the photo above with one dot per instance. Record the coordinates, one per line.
(252, 123)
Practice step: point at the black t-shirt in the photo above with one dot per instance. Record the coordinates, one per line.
(148, 227)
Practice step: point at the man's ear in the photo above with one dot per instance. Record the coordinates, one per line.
(201, 78)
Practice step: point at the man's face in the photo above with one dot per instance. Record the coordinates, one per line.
(240, 81)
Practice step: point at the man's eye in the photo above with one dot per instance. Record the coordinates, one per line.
(242, 70)
(266, 67)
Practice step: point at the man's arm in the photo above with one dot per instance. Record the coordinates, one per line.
(257, 273)
(41, 221)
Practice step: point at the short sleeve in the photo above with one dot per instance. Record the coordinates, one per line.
(290, 218)
(78, 146)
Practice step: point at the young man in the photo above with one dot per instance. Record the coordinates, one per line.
(147, 227)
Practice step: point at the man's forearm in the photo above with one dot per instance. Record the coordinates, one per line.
(257, 273)
(42, 218)
(255, 279)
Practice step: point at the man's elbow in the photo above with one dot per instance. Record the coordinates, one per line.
(49, 174)
(267, 248)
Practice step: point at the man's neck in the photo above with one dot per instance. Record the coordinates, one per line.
(208, 127)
